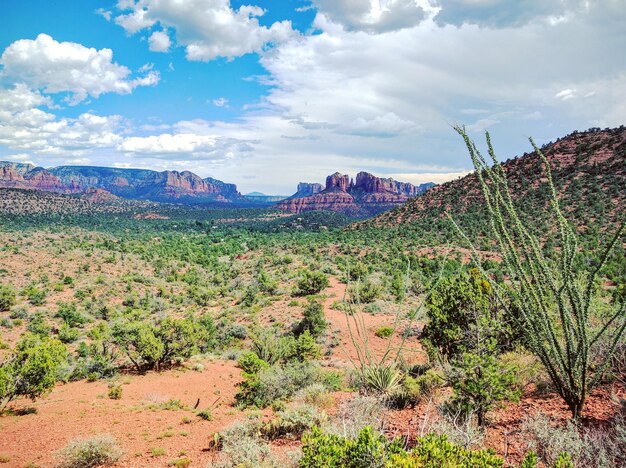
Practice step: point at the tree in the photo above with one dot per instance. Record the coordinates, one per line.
(31, 369)
(7, 297)
(311, 282)
(555, 298)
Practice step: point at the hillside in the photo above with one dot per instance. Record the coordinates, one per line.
(589, 171)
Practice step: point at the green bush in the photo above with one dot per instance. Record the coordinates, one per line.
(384, 332)
(68, 334)
(374, 450)
(313, 320)
(8, 297)
(157, 346)
(31, 369)
(332, 451)
(293, 422)
(480, 381)
(90, 452)
(35, 295)
(364, 292)
(459, 308)
(311, 282)
(70, 315)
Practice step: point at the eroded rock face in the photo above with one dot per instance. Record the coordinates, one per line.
(165, 186)
(368, 195)
(306, 189)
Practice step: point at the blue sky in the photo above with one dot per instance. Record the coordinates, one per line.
(265, 94)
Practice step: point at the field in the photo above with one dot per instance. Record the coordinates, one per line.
(237, 283)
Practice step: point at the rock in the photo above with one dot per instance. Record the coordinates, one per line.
(166, 186)
(367, 196)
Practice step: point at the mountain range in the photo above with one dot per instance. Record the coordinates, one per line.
(139, 184)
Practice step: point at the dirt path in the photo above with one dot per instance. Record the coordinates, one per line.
(138, 420)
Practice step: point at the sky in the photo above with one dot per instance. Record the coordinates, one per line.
(266, 94)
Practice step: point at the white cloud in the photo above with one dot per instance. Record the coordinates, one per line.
(220, 102)
(159, 41)
(25, 127)
(57, 67)
(106, 14)
(424, 177)
(207, 28)
(189, 146)
(504, 13)
(373, 16)
(566, 94)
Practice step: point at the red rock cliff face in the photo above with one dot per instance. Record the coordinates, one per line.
(338, 181)
(368, 195)
(11, 178)
(41, 179)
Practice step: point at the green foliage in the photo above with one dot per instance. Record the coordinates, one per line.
(156, 346)
(115, 391)
(459, 308)
(7, 297)
(90, 452)
(311, 282)
(314, 320)
(374, 450)
(293, 422)
(35, 295)
(70, 315)
(31, 369)
(332, 451)
(364, 292)
(554, 294)
(381, 378)
(480, 381)
(384, 332)
(68, 334)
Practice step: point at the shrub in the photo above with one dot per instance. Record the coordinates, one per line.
(35, 296)
(241, 445)
(70, 315)
(355, 414)
(364, 292)
(31, 369)
(68, 334)
(480, 381)
(381, 378)
(157, 346)
(374, 450)
(311, 282)
(293, 422)
(7, 297)
(313, 320)
(115, 391)
(457, 307)
(264, 385)
(329, 450)
(384, 332)
(90, 452)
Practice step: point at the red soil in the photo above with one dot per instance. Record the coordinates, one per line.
(83, 408)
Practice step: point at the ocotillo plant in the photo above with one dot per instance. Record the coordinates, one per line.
(556, 305)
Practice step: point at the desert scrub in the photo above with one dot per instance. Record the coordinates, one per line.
(311, 282)
(8, 297)
(89, 452)
(293, 422)
(384, 332)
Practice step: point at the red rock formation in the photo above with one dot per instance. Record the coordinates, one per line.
(369, 195)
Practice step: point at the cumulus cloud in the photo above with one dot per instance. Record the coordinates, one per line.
(159, 41)
(57, 67)
(24, 126)
(207, 28)
(374, 16)
(188, 146)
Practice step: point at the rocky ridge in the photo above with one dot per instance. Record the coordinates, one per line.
(140, 184)
(364, 196)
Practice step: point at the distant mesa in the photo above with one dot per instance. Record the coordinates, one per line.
(364, 196)
(258, 197)
(138, 184)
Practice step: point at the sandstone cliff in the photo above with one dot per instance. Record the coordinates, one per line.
(366, 196)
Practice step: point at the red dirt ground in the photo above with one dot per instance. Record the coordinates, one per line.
(83, 409)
